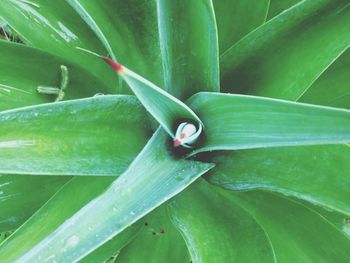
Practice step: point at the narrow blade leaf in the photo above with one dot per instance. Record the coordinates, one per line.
(153, 178)
(95, 136)
(237, 18)
(297, 234)
(56, 28)
(282, 58)
(128, 30)
(189, 44)
(242, 122)
(298, 170)
(165, 108)
(217, 230)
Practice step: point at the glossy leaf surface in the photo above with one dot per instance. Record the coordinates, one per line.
(165, 108)
(286, 55)
(241, 122)
(129, 30)
(317, 174)
(56, 28)
(19, 200)
(159, 241)
(313, 240)
(189, 43)
(128, 199)
(19, 81)
(236, 18)
(230, 232)
(86, 137)
(332, 88)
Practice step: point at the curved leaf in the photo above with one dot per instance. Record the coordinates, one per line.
(23, 69)
(81, 137)
(286, 55)
(216, 230)
(55, 212)
(297, 234)
(166, 109)
(278, 6)
(317, 174)
(129, 30)
(153, 178)
(332, 88)
(19, 200)
(158, 241)
(189, 44)
(242, 122)
(55, 27)
(236, 18)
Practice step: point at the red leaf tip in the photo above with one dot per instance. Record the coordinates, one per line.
(117, 67)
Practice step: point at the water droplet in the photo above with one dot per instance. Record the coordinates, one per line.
(132, 213)
(99, 94)
(73, 241)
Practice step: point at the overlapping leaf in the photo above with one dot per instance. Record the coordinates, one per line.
(56, 28)
(189, 43)
(286, 55)
(95, 136)
(241, 122)
(128, 199)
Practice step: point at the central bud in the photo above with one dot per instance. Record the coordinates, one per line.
(187, 134)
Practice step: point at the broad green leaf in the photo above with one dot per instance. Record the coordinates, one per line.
(336, 218)
(286, 55)
(94, 136)
(159, 241)
(55, 27)
(54, 213)
(297, 234)
(332, 88)
(23, 69)
(165, 108)
(113, 246)
(278, 6)
(129, 30)
(153, 178)
(317, 174)
(189, 44)
(236, 18)
(243, 122)
(21, 196)
(216, 230)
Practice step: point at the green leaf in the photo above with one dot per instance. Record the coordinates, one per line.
(297, 234)
(165, 108)
(158, 241)
(153, 178)
(21, 196)
(278, 6)
(236, 18)
(113, 246)
(23, 69)
(243, 122)
(189, 44)
(215, 229)
(286, 55)
(336, 218)
(55, 212)
(94, 136)
(332, 88)
(56, 28)
(128, 30)
(317, 174)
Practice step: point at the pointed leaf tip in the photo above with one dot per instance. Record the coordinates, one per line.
(117, 67)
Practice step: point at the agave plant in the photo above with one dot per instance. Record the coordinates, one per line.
(174, 131)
